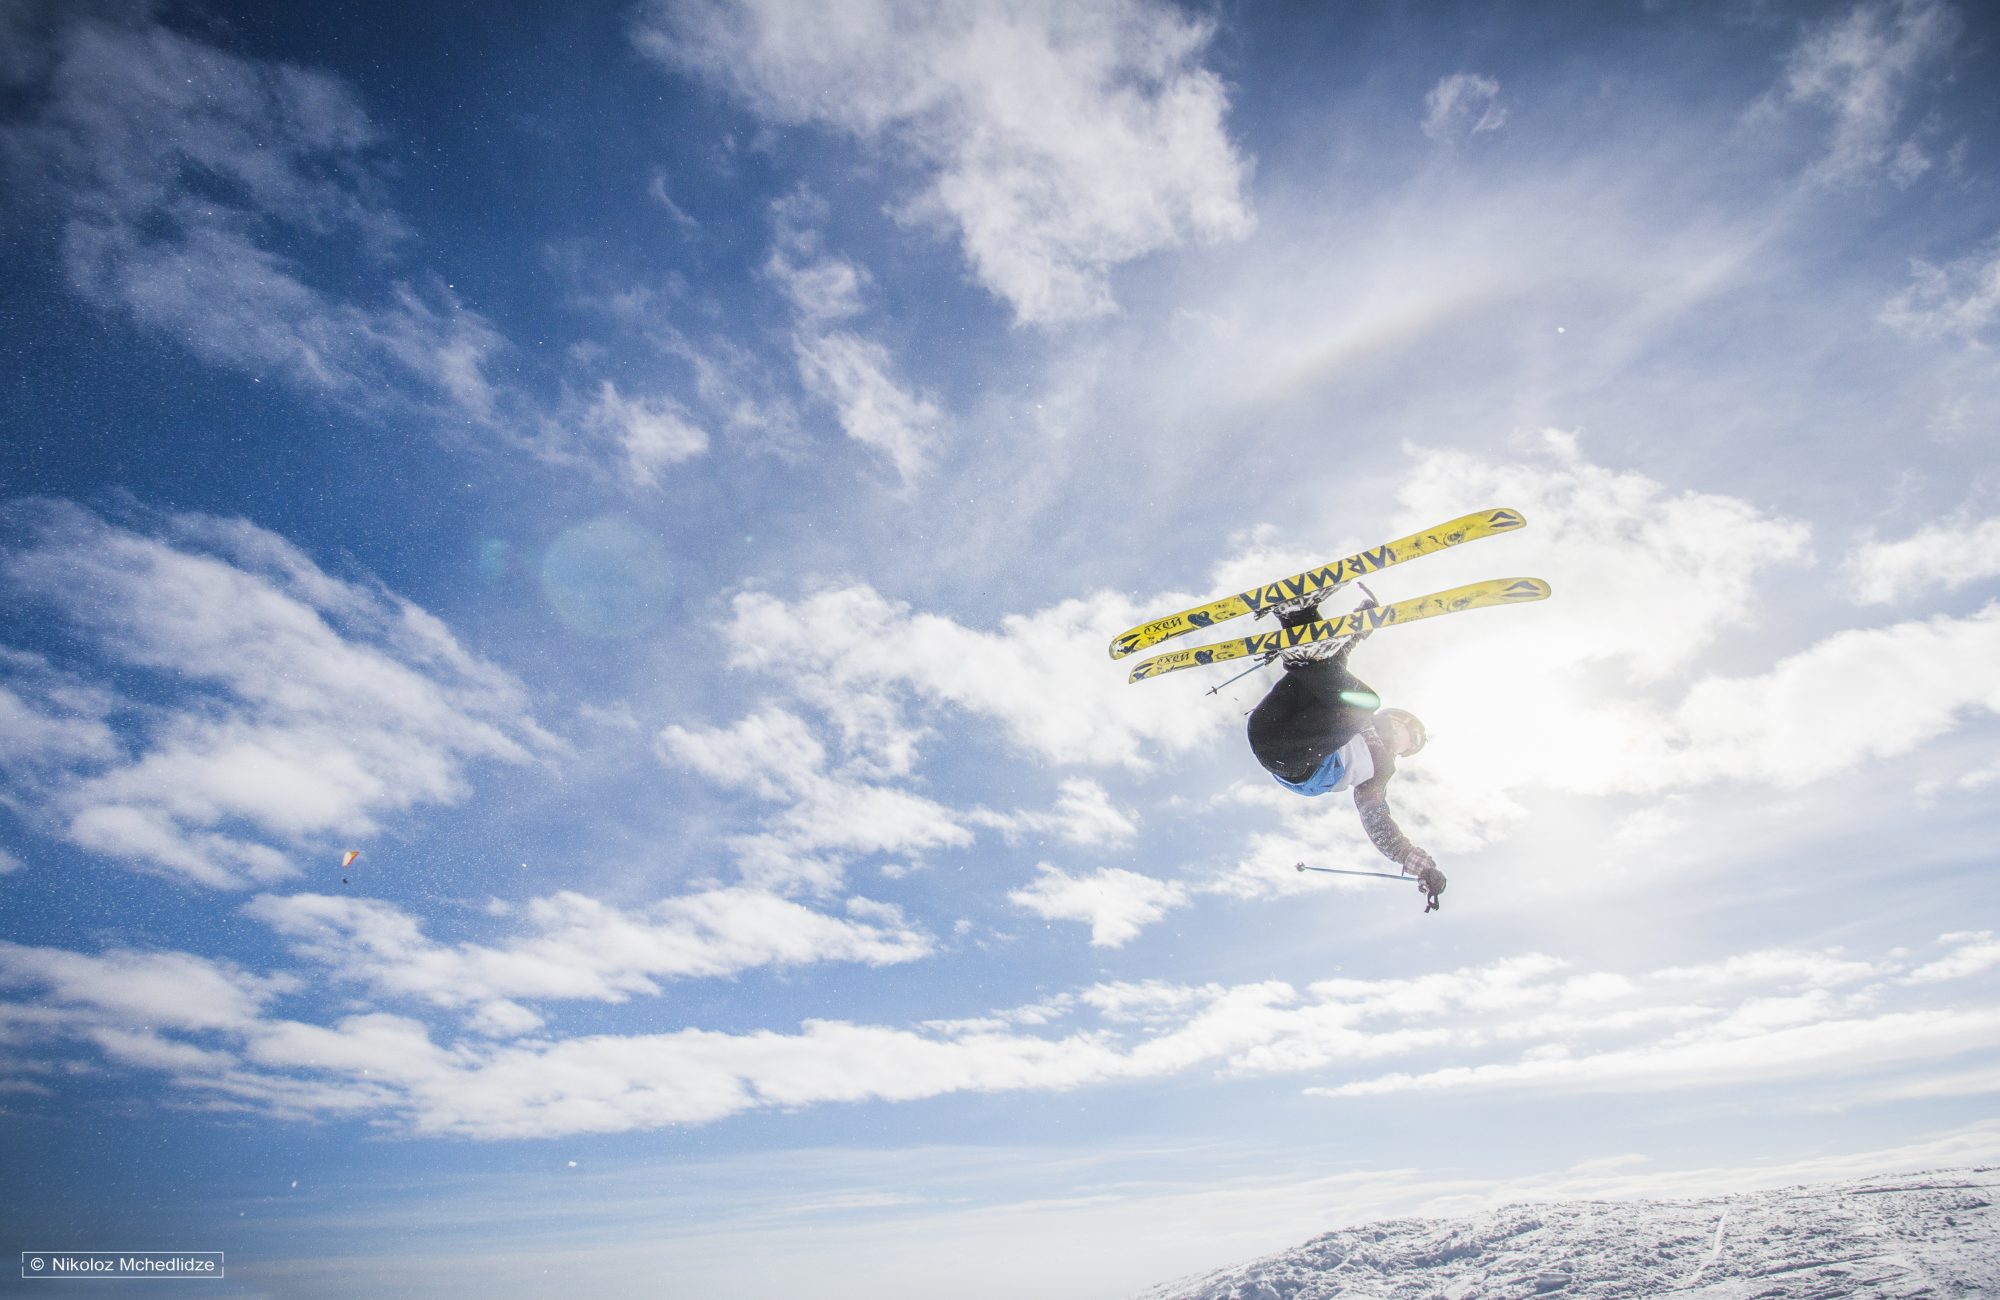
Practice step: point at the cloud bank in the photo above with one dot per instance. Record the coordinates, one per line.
(236, 708)
(1056, 140)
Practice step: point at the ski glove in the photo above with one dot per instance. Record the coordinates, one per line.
(1429, 879)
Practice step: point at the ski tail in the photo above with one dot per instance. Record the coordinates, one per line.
(1324, 580)
(1476, 595)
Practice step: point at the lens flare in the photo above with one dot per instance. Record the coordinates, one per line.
(607, 578)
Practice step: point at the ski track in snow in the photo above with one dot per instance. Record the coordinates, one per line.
(1934, 1235)
(1714, 1252)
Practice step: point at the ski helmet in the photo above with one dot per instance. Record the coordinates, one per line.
(1408, 722)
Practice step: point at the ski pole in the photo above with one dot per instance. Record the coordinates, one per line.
(1261, 663)
(1336, 871)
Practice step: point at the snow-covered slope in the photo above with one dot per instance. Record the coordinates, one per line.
(1932, 1234)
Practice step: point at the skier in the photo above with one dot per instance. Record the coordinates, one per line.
(1320, 730)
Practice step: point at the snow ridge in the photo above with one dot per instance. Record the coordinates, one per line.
(1933, 1234)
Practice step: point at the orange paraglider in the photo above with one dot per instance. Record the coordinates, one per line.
(346, 861)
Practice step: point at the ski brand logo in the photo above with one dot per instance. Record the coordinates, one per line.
(1324, 578)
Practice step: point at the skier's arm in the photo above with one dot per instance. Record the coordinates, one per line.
(1382, 830)
(1371, 801)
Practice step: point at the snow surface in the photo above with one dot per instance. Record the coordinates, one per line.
(1924, 1234)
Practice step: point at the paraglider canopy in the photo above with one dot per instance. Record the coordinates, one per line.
(346, 861)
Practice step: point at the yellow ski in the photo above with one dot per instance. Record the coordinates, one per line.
(1327, 577)
(1477, 595)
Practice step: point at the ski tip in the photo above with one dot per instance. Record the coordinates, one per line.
(1134, 639)
(1525, 589)
(1501, 519)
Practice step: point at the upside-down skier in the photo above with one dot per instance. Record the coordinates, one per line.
(1321, 730)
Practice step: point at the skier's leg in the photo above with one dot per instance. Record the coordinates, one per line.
(1288, 729)
(1335, 688)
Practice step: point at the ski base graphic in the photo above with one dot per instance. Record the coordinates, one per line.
(1476, 595)
(1325, 579)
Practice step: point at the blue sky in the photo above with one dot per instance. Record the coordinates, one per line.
(659, 480)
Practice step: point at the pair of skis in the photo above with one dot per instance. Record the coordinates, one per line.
(1324, 581)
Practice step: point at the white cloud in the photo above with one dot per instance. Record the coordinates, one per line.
(1971, 954)
(1059, 139)
(1791, 726)
(1043, 676)
(1644, 577)
(167, 990)
(1115, 903)
(579, 948)
(301, 708)
(1976, 779)
(1944, 556)
(1761, 1053)
(834, 820)
(830, 817)
(179, 169)
(657, 188)
(1083, 814)
(651, 435)
(1463, 104)
(837, 810)
(853, 374)
(1644, 580)
(755, 754)
(1086, 815)
(822, 288)
(1525, 1022)
(50, 719)
(1958, 301)
(1587, 693)
(1861, 70)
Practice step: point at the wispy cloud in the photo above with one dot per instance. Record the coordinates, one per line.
(1947, 556)
(1862, 69)
(839, 797)
(286, 710)
(241, 209)
(1461, 105)
(1957, 301)
(650, 435)
(1115, 903)
(829, 813)
(1786, 726)
(853, 374)
(1083, 814)
(1976, 951)
(1528, 1022)
(1040, 675)
(179, 170)
(578, 948)
(1059, 140)
(1645, 578)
